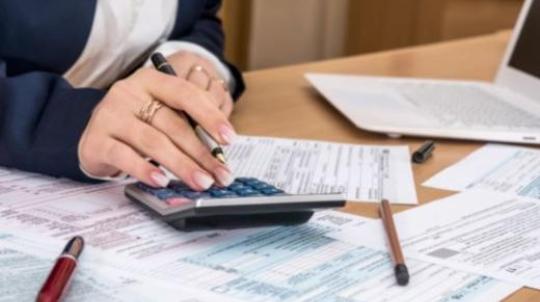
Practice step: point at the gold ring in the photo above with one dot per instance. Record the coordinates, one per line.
(223, 84)
(199, 68)
(149, 110)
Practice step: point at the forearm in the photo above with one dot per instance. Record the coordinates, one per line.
(41, 120)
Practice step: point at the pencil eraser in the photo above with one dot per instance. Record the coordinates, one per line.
(402, 274)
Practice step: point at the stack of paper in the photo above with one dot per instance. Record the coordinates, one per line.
(492, 234)
(133, 256)
(365, 173)
(475, 245)
(494, 168)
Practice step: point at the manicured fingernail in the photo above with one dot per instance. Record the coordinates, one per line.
(203, 180)
(160, 179)
(227, 133)
(225, 177)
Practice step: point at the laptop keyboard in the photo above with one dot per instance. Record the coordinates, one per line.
(466, 106)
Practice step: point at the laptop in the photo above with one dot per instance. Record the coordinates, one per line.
(507, 110)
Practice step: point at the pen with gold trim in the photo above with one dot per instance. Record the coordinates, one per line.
(61, 274)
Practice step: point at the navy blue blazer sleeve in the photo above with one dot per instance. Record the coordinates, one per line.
(206, 31)
(41, 120)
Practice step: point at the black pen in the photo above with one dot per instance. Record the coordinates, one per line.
(161, 64)
(424, 152)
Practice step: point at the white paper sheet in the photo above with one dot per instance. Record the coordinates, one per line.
(273, 264)
(303, 263)
(365, 173)
(495, 168)
(492, 234)
(27, 259)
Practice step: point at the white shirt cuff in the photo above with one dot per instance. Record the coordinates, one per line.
(170, 47)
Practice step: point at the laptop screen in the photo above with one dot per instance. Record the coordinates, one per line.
(526, 55)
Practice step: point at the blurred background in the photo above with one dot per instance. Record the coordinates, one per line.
(270, 33)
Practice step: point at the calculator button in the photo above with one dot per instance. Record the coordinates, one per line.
(176, 183)
(253, 182)
(247, 192)
(221, 193)
(178, 201)
(246, 179)
(260, 185)
(164, 193)
(194, 195)
(178, 186)
(272, 191)
(236, 186)
(181, 190)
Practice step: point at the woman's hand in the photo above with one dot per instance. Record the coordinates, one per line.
(206, 77)
(117, 140)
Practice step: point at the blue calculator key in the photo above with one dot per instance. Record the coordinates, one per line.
(178, 186)
(247, 192)
(164, 194)
(213, 188)
(229, 195)
(220, 193)
(236, 186)
(246, 179)
(181, 190)
(272, 191)
(194, 195)
(252, 183)
(260, 186)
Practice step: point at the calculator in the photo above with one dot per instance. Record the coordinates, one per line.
(247, 202)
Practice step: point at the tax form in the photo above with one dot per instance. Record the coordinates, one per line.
(26, 261)
(487, 233)
(495, 168)
(365, 173)
(301, 263)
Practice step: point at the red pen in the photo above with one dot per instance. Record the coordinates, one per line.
(60, 276)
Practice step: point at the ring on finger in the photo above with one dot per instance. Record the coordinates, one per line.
(223, 84)
(149, 110)
(197, 68)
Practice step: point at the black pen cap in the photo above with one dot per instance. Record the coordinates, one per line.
(161, 64)
(158, 59)
(424, 152)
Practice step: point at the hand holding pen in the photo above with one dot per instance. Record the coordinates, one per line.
(161, 64)
(139, 118)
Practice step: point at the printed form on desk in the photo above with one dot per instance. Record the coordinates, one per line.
(365, 173)
(492, 234)
(26, 260)
(297, 263)
(494, 168)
